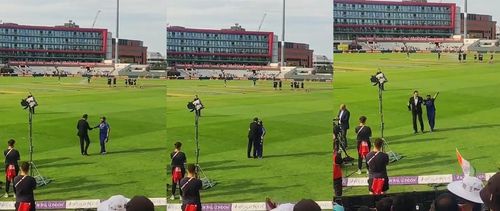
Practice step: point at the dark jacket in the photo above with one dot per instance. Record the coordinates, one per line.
(254, 130)
(83, 127)
(415, 108)
(344, 120)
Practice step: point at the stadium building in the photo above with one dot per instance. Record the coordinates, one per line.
(130, 51)
(297, 54)
(67, 43)
(479, 26)
(386, 20)
(234, 46)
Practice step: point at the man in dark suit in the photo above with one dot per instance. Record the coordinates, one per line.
(343, 117)
(83, 128)
(253, 135)
(415, 106)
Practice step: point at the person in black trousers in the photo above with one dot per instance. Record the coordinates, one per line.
(253, 133)
(191, 187)
(178, 161)
(364, 133)
(343, 117)
(415, 106)
(83, 128)
(24, 185)
(12, 156)
(377, 162)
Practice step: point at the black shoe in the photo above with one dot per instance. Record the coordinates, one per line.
(86, 154)
(415, 132)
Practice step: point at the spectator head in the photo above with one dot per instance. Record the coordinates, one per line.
(25, 167)
(384, 204)
(379, 143)
(85, 116)
(342, 106)
(140, 203)
(178, 145)
(306, 205)
(490, 194)
(362, 119)
(468, 189)
(11, 142)
(403, 203)
(191, 168)
(446, 202)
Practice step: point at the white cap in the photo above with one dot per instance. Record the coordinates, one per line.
(468, 189)
(113, 203)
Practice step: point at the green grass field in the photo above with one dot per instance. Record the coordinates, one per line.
(297, 147)
(468, 109)
(297, 152)
(135, 161)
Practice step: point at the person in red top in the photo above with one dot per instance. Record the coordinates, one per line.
(364, 145)
(337, 172)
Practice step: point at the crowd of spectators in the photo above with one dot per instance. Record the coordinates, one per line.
(468, 194)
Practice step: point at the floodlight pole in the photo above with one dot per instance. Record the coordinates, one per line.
(282, 62)
(393, 157)
(30, 120)
(465, 20)
(206, 182)
(117, 30)
(381, 110)
(33, 170)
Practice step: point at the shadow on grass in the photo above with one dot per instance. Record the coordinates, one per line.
(57, 165)
(468, 128)
(221, 168)
(404, 136)
(411, 141)
(43, 162)
(298, 154)
(76, 184)
(428, 159)
(133, 151)
(237, 187)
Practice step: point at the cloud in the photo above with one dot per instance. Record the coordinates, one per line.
(307, 21)
(140, 19)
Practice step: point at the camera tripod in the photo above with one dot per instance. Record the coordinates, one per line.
(40, 180)
(207, 183)
(393, 157)
(340, 144)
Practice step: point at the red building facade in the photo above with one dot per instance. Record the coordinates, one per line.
(479, 26)
(131, 51)
(297, 54)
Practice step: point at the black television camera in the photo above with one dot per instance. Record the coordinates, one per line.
(29, 102)
(195, 105)
(379, 79)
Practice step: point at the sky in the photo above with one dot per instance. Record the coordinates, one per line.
(140, 19)
(488, 7)
(307, 21)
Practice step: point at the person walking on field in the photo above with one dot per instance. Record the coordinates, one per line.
(431, 110)
(415, 106)
(104, 131)
(83, 128)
